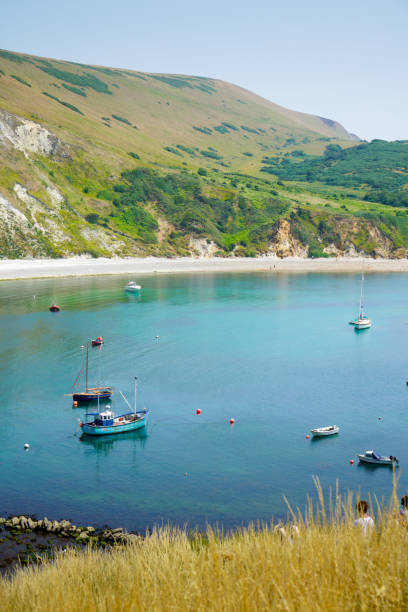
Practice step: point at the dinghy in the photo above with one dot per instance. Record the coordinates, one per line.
(330, 430)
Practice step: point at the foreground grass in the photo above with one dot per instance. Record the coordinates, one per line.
(320, 565)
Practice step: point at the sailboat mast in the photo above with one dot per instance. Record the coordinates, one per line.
(86, 368)
(362, 292)
(135, 394)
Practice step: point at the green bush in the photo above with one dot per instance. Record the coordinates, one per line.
(20, 80)
(174, 151)
(203, 130)
(211, 154)
(92, 218)
(82, 80)
(121, 119)
(248, 129)
(67, 104)
(105, 194)
(75, 90)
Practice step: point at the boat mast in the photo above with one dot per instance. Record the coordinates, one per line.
(361, 293)
(86, 368)
(135, 394)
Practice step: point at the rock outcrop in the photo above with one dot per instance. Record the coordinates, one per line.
(30, 137)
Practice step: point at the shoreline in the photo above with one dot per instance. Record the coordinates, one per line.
(16, 269)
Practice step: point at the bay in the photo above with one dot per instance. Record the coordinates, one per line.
(273, 351)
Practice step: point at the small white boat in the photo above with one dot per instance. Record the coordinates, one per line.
(362, 321)
(330, 430)
(133, 286)
(374, 458)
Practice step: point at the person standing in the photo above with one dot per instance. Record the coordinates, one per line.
(364, 520)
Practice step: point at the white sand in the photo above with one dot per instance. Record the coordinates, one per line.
(134, 267)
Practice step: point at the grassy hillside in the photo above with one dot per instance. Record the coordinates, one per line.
(132, 111)
(325, 565)
(108, 162)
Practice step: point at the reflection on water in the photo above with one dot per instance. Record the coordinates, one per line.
(107, 443)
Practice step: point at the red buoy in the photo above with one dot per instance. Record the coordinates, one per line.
(198, 411)
(351, 461)
(307, 436)
(232, 421)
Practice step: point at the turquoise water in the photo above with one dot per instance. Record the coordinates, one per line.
(274, 352)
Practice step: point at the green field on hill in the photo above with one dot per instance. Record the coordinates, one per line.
(108, 162)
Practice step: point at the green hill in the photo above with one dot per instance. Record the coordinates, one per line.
(378, 170)
(107, 161)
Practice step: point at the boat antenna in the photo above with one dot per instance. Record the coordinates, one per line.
(135, 393)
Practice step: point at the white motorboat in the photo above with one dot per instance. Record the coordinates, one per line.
(330, 430)
(375, 459)
(362, 321)
(133, 286)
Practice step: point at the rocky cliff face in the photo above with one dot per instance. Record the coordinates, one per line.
(30, 137)
(354, 237)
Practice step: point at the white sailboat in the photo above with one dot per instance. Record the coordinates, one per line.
(362, 321)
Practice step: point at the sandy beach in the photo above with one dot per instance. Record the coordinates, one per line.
(80, 266)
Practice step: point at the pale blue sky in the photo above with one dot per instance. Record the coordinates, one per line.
(346, 60)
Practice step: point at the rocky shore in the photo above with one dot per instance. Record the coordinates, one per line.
(25, 540)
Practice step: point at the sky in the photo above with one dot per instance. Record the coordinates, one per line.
(346, 60)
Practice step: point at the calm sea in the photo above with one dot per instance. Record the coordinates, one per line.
(275, 352)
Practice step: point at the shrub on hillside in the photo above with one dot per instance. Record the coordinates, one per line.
(20, 80)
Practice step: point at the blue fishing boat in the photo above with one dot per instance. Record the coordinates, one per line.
(105, 421)
(91, 394)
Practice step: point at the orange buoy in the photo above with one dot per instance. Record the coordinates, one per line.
(232, 421)
(75, 404)
(198, 411)
(351, 461)
(307, 436)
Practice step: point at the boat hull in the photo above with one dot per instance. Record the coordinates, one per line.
(92, 395)
(316, 433)
(362, 325)
(100, 430)
(372, 461)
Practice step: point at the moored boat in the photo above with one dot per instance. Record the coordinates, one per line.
(90, 394)
(375, 459)
(133, 286)
(55, 308)
(362, 321)
(105, 422)
(330, 430)
(98, 341)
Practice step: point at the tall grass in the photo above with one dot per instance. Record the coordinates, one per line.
(320, 561)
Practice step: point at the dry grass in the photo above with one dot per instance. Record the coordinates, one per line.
(324, 563)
